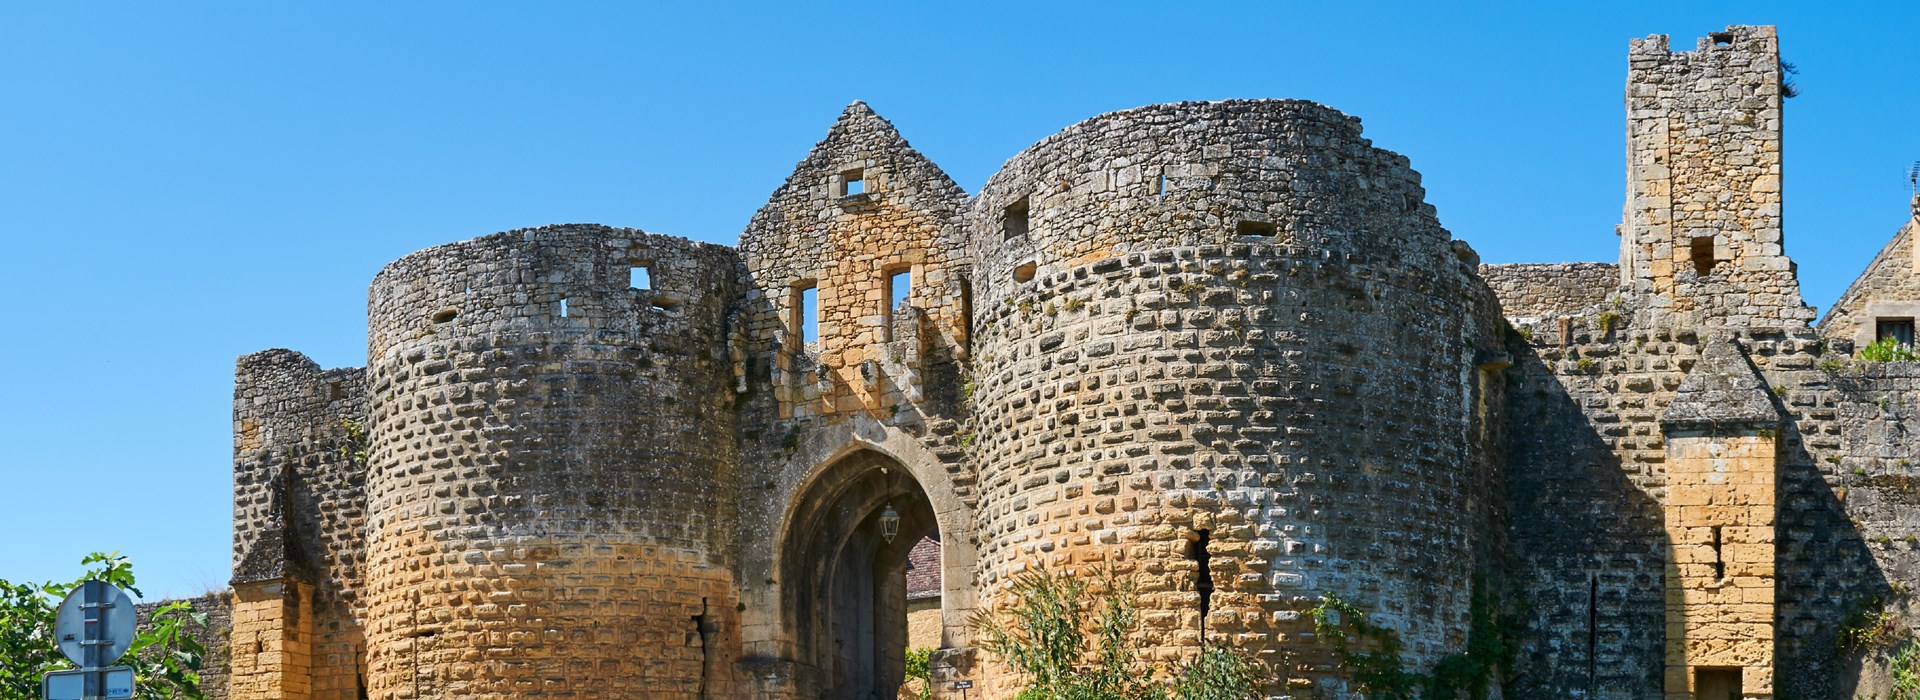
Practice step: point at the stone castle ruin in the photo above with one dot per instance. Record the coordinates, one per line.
(1208, 340)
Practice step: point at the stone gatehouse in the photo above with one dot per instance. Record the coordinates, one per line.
(1210, 339)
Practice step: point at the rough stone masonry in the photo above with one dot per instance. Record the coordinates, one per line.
(1210, 340)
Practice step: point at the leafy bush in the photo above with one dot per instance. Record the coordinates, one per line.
(165, 659)
(1904, 671)
(919, 668)
(1068, 648)
(1888, 350)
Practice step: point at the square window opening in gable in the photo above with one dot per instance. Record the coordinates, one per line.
(1899, 329)
(1702, 251)
(1017, 221)
(803, 318)
(853, 182)
(640, 276)
(1255, 228)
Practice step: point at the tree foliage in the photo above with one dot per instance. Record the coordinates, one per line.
(1072, 639)
(164, 657)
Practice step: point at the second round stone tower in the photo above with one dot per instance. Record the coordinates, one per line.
(1226, 348)
(546, 493)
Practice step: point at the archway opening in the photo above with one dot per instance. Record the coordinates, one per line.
(844, 581)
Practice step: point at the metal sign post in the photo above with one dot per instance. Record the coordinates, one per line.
(94, 628)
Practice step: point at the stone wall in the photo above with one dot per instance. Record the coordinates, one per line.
(546, 493)
(300, 505)
(1210, 358)
(1532, 290)
(1890, 288)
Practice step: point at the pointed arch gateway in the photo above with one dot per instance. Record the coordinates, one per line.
(843, 593)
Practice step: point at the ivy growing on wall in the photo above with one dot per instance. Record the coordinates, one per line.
(1370, 653)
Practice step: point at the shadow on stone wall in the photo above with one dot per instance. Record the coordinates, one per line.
(1827, 573)
(1587, 549)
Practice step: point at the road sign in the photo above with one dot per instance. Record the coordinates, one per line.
(77, 626)
(94, 628)
(71, 685)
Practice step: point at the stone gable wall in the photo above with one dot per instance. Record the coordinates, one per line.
(1889, 288)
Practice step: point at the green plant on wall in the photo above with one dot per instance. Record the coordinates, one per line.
(1888, 350)
(1903, 674)
(354, 447)
(1369, 653)
(1071, 638)
(920, 671)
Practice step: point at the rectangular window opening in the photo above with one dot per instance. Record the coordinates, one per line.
(1721, 38)
(1899, 329)
(899, 289)
(806, 311)
(966, 307)
(1160, 187)
(1717, 684)
(853, 182)
(1016, 221)
(640, 277)
(1254, 228)
(563, 307)
(1719, 561)
(899, 293)
(1702, 251)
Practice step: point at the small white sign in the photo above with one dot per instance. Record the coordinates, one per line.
(71, 685)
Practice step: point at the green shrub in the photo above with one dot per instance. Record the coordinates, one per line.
(1887, 350)
(1070, 640)
(1904, 672)
(919, 668)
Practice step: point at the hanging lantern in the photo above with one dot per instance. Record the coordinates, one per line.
(889, 524)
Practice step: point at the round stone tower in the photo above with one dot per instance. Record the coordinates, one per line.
(1226, 344)
(549, 511)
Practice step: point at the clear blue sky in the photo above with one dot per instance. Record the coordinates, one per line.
(182, 183)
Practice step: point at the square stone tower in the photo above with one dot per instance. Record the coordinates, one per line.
(1701, 232)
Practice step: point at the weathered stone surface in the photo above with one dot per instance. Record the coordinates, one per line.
(1722, 389)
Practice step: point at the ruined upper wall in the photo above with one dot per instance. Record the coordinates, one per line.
(1889, 289)
(1531, 290)
(1272, 352)
(547, 445)
(1701, 236)
(862, 207)
(299, 492)
(1282, 172)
